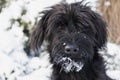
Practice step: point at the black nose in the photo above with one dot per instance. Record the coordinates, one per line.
(71, 49)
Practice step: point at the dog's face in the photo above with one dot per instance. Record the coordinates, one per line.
(73, 32)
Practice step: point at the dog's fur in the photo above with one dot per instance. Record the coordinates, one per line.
(74, 24)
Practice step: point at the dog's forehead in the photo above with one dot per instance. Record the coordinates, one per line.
(70, 11)
(71, 16)
(74, 18)
(75, 25)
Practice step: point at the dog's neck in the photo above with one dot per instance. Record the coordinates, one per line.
(85, 74)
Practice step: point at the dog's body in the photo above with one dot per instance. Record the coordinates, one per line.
(75, 33)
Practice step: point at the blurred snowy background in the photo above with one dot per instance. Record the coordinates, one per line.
(17, 62)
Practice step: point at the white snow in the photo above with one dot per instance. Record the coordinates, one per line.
(107, 3)
(70, 65)
(34, 69)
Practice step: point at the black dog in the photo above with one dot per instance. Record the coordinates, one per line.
(75, 33)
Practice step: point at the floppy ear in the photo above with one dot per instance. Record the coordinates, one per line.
(101, 30)
(38, 34)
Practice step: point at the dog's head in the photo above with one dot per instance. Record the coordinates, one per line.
(74, 32)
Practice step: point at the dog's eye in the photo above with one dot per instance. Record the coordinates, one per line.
(78, 32)
(61, 28)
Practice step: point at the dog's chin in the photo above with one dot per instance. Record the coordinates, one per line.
(69, 65)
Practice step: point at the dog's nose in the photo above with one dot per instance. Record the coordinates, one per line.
(71, 49)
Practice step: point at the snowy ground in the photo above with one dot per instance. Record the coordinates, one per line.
(112, 58)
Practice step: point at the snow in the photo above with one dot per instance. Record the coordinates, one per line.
(6, 64)
(107, 3)
(35, 69)
(69, 65)
(114, 74)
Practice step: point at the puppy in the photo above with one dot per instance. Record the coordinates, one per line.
(74, 34)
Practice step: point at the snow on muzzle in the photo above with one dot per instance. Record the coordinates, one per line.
(68, 65)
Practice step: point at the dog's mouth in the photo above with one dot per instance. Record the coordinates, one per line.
(69, 65)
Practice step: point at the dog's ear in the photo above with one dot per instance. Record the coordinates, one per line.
(38, 34)
(101, 30)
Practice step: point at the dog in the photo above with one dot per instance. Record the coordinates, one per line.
(74, 34)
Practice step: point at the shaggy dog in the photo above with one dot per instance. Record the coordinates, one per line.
(74, 34)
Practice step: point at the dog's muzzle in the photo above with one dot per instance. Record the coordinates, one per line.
(69, 65)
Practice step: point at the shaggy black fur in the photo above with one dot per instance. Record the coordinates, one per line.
(75, 33)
